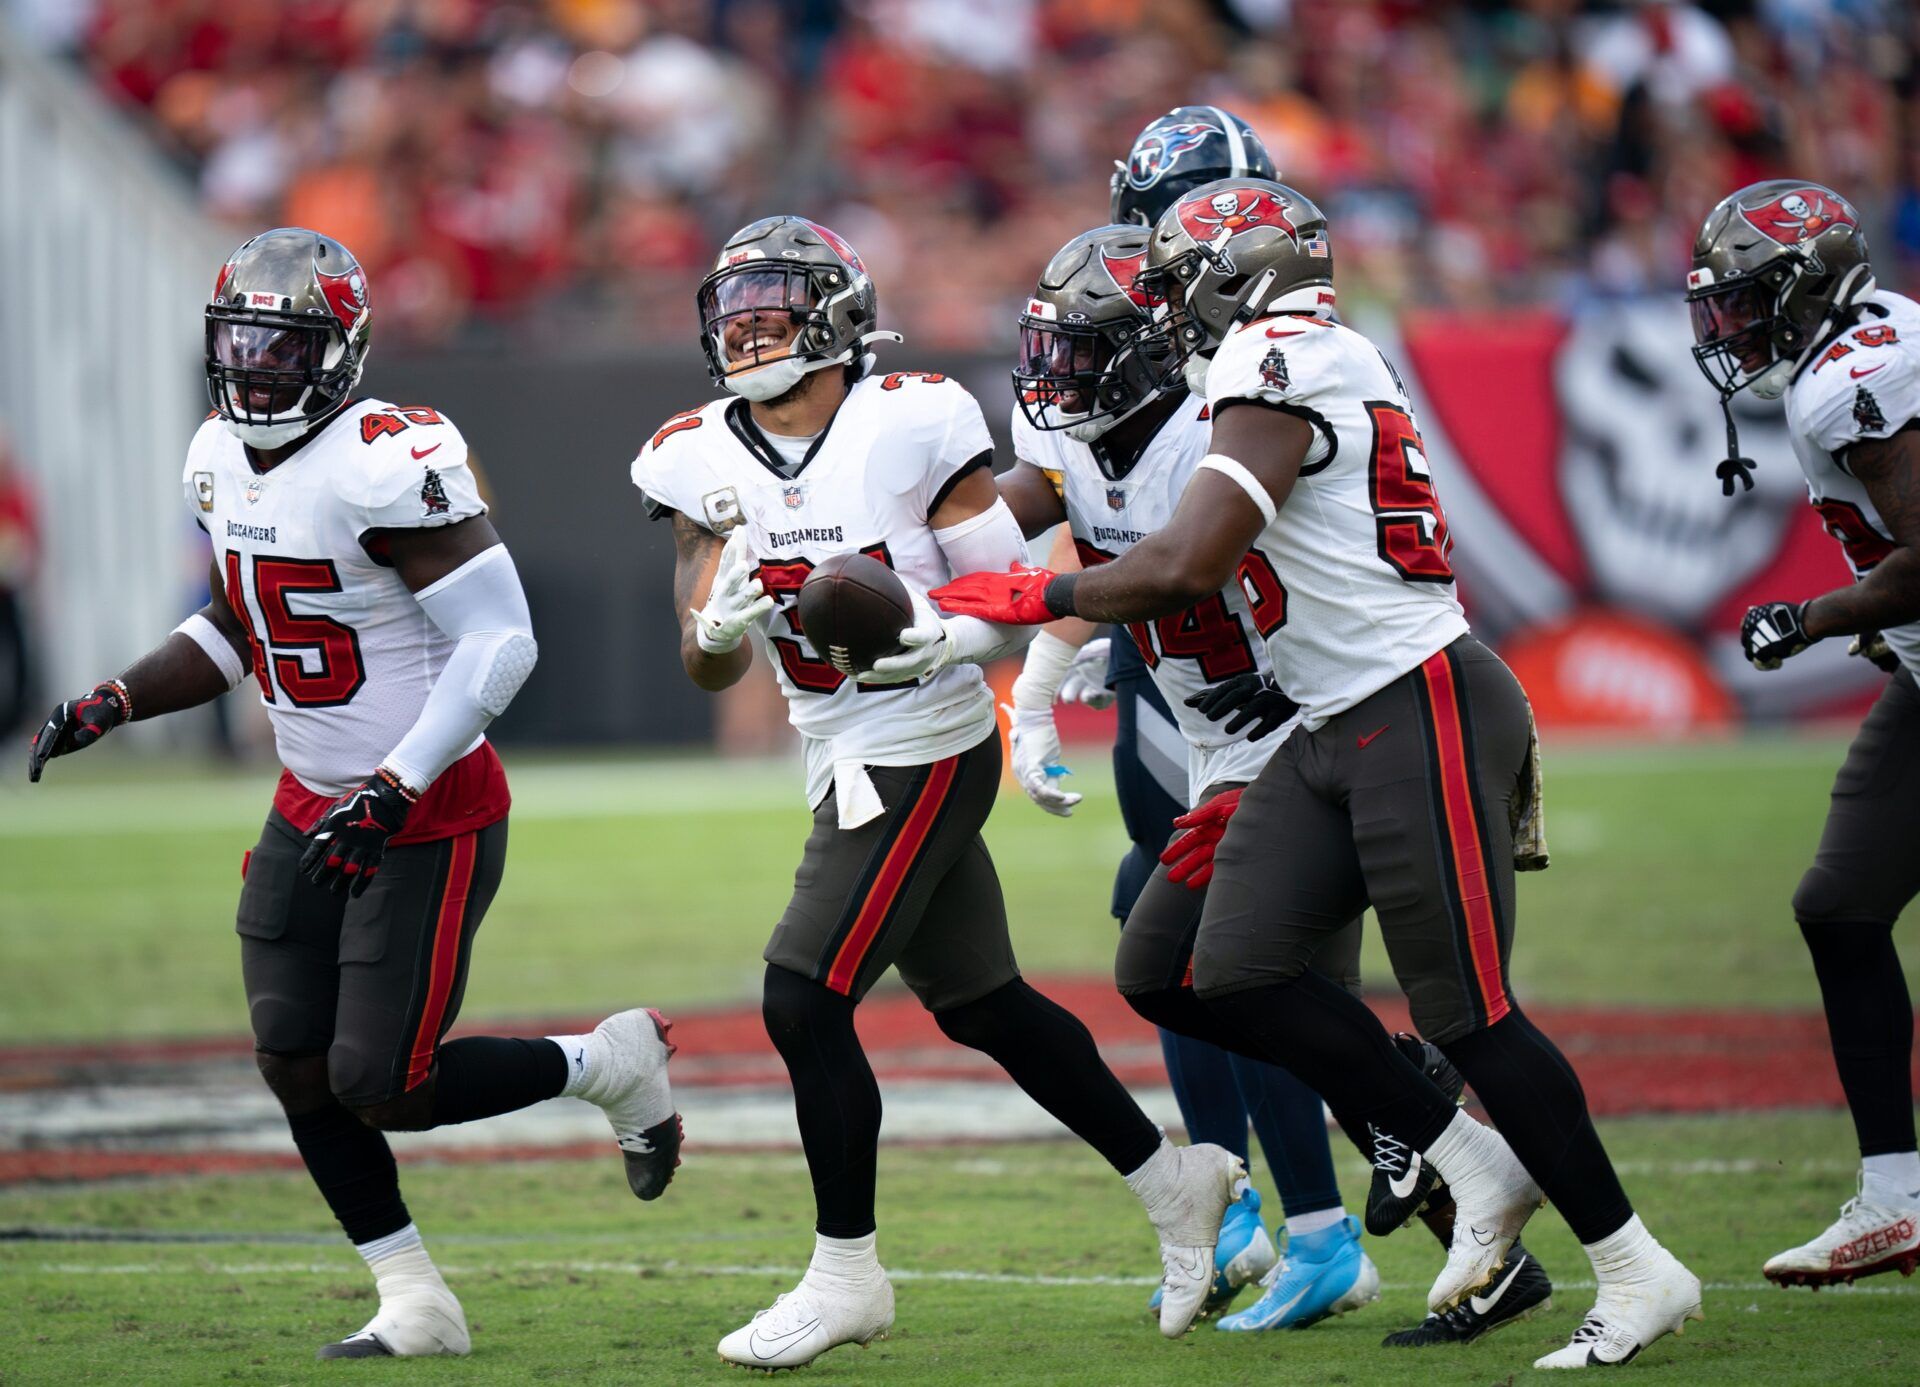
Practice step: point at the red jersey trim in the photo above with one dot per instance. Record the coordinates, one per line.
(468, 796)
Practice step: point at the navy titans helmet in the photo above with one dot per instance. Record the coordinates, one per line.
(1179, 151)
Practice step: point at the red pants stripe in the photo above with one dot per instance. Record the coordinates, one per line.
(446, 958)
(892, 877)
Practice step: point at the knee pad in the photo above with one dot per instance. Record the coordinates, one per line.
(298, 1081)
(791, 1005)
(361, 1079)
(1825, 896)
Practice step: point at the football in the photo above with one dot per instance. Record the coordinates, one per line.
(852, 609)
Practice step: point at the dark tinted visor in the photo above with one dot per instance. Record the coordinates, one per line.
(1720, 315)
(268, 347)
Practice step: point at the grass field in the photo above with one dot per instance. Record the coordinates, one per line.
(656, 881)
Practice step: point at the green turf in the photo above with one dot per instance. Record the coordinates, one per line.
(659, 880)
(565, 1277)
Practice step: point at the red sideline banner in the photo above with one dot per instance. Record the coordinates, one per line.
(1575, 458)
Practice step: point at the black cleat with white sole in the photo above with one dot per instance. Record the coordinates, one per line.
(652, 1157)
(1521, 1291)
(1402, 1180)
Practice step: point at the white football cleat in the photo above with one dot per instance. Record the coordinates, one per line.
(418, 1315)
(627, 1079)
(818, 1314)
(1493, 1198)
(1209, 1179)
(1865, 1240)
(1631, 1312)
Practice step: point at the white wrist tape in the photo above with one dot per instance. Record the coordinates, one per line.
(1048, 660)
(218, 648)
(1245, 480)
(481, 605)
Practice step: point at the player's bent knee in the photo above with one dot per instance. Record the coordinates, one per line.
(791, 1005)
(1163, 1006)
(1827, 897)
(298, 1081)
(410, 1112)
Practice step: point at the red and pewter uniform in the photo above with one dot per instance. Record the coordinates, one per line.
(1863, 385)
(1396, 790)
(344, 657)
(912, 886)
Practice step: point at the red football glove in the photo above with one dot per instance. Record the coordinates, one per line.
(1013, 598)
(1189, 857)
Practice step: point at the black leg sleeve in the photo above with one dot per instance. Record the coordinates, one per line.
(353, 1166)
(835, 1097)
(485, 1075)
(1870, 1019)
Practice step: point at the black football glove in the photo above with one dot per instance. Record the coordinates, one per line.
(347, 844)
(1774, 631)
(1251, 699)
(1872, 647)
(77, 724)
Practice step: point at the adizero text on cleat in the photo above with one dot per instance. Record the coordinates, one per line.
(1865, 1240)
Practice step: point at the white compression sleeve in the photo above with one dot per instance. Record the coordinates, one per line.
(1237, 473)
(1048, 660)
(987, 542)
(216, 647)
(481, 605)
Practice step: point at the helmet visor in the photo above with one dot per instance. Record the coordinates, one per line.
(755, 313)
(266, 368)
(1732, 333)
(1060, 371)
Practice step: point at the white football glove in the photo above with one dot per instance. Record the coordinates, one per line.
(1086, 680)
(736, 602)
(924, 649)
(1036, 759)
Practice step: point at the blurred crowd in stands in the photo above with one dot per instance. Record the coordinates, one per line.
(566, 167)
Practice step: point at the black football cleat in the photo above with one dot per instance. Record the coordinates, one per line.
(652, 1157)
(1520, 1292)
(1402, 1180)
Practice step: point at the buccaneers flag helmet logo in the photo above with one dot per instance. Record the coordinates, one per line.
(1214, 219)
(1123, 270)
(840, 247)
(1798, 216)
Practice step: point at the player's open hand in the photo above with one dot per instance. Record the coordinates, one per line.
(1037, 758)
(1189, 857)
(77, 724)
(736, 601)
(924, 648)
(347, 844)
(1245, 700)
(1086, 680)
(1014, 598)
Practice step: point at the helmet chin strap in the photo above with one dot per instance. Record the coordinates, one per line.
(778, 377)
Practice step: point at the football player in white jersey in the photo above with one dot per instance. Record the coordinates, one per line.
(1105, 443)
(1784, 303)
(1400, 787)
(814, 452)
(357, 578)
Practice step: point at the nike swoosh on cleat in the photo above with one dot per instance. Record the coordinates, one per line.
(1404, 1186)
(1485, 1240)
(1483, 1305)
(775, 1343)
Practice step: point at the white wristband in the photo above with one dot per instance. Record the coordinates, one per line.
(1048, 660)
(1245, 480)
(218, 648)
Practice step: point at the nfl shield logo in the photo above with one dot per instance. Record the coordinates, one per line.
(254, 488)
(794, 496)
(1116, 498)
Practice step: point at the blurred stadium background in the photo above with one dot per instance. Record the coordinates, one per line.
(535, 187)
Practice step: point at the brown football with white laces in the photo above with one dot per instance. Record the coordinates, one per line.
(852, 609)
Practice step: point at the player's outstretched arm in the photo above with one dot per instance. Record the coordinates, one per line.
(1889, 596)
(204, 657)
(1239, 488)
(718, 599)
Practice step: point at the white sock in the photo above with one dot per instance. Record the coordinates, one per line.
(1622, 1250)
(1314, 1222)
(1892, 1180)
(379, 1249)
(1459, 1146)
(579, 1062)
(1158, 1176)
(851, 1259)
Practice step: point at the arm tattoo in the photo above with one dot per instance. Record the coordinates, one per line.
(696, 550)
(1890, 594)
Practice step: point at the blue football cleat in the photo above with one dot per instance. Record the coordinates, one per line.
(1244, 1254)
(1324, 1273)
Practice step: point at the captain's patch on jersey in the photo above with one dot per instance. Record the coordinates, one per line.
(722, 509)
(203, 491)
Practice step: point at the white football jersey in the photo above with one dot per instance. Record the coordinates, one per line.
(343, 653)
(1866, 384)
(893, 451)
(1357, 559)
(1211, 641)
